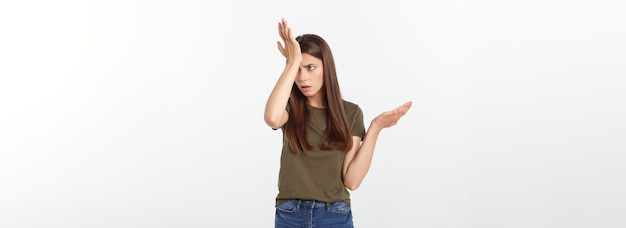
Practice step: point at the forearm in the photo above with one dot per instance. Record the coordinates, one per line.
(360, 164)
(277, 101)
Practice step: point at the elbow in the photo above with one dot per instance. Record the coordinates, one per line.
(275, 119)
(272, 121)
(351, 186)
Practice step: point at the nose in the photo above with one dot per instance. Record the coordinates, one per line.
(302, 76)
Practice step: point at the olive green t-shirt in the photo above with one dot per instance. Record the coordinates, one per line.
(316, 174)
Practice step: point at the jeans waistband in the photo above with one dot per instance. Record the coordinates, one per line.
(310, 203)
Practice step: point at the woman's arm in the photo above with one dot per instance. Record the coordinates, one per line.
(275, 113)
(358, 160)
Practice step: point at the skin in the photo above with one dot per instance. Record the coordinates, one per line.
(306, 70)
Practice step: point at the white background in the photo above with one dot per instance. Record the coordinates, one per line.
(149, 113)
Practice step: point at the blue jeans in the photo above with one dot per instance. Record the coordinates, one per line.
(310, 214)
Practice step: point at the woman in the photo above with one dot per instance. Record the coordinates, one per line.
(325, 146)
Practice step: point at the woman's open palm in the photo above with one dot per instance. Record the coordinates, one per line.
(390, 118)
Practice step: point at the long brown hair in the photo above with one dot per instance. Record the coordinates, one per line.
(337, 135)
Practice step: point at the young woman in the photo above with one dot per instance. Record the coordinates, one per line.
(325, 146)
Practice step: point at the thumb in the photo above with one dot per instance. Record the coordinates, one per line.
(280, 47)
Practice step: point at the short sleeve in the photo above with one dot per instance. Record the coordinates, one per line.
(356, 122)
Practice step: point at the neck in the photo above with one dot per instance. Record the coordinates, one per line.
(315, 101)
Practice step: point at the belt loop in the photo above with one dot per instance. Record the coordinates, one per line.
(298, 202)
(328, 206)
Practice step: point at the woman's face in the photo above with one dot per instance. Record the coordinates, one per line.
(310, 78)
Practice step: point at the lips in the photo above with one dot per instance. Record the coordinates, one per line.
(305, 87)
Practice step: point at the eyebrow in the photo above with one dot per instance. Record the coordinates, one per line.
(308, 64)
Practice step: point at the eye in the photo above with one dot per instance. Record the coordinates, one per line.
(310, 67)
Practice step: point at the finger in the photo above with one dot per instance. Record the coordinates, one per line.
(404, 107)
(398, 109)
(285, 24)
(291, 35)
(285, 29)
(281, 31)
(407, 104)
(401, 111)
(280, 47)
(291, 42)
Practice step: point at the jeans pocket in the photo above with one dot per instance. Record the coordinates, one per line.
(287, 207)
(340, 207)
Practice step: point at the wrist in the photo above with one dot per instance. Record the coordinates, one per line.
(374, 127)
(291, 66)
(293, 63)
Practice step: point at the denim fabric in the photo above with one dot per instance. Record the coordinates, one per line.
(313, 214)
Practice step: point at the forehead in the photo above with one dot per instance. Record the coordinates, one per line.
(308, 59)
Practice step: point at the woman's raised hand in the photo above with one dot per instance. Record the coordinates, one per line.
(291, 51)
(390, 118)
